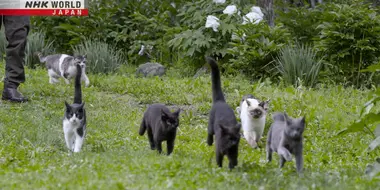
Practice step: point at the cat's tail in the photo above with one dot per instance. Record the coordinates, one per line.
(40, 56)
(217, 94)
(78, 90)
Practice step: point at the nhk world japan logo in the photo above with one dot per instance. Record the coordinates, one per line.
(44, 7)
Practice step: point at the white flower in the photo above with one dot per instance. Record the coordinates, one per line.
(219, 1)
(212, 22)
(172, 4)
(257, 10)
(230, 9)
(141, 52)
(252, 17)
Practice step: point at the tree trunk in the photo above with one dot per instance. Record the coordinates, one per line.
(312, 3)
(267, 6)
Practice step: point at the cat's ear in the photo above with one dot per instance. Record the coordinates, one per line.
(238, 110)
(67, 104)
(85, 56)
(287, 118)
(82, 104)
(248, 103)
(164, 115)
(265, 104)
(302, 121)
(176, 113)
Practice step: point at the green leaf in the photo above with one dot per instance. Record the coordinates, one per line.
(372, 68)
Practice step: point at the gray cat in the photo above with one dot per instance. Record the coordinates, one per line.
(285, 138)
(62, 65)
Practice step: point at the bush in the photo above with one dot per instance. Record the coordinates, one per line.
(350, 40)
(298, 63)
(101, 57)
(255, 47)
(37, 43)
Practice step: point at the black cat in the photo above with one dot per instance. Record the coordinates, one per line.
(222, 122)
(161, 125)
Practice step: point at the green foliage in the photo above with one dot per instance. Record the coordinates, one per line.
(195, 40)
(37, 43)
(301, 22)
(349, 39)
(255, 46)
(125, 24)
(299, 63)
(101, 57)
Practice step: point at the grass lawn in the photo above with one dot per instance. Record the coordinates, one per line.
(33, 154)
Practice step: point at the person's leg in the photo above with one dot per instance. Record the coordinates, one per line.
(16, 32)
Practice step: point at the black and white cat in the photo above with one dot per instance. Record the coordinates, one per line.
(222, 122)
(161, 125)
(285, 136)
(62, 65)
(252, 114)
(74, 121)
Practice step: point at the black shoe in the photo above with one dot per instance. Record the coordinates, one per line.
(12, 95)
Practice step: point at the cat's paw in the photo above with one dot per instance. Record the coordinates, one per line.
(288, 157)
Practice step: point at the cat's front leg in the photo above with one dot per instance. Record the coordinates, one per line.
(269, 153)
(170, 146)
(67, 81)
(282, 161)
(219, 158)
(299, 158)
(78, 143)
(85, 79)
(68, 138)
(282, 151)
(232, 157)
(158, 146)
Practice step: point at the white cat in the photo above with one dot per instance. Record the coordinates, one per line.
(252, 114)
(74, 121)
(62, 65)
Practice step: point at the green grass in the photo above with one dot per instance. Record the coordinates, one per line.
(33, 154)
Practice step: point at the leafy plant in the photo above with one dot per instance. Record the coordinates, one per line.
(195, 40)
(349, 39)
(254, 47)
(101, 57)
(299, 62)
(37, 42)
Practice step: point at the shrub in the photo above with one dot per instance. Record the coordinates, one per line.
(298, 63)
(350, 40)
(37, 43)
(101, 57)
(255, 47)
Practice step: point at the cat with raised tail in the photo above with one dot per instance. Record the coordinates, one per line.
(62, 65)
(74, 121)
(222, 122)
(285, 136)
(161, 125)
(252, 114)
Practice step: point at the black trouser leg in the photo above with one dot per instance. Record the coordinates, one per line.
(16, 32)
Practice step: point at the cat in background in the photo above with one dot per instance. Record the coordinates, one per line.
(222, 122)
(252, 114)
(74, 121)
(62, 65)
(285, 138)
(161, 125)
